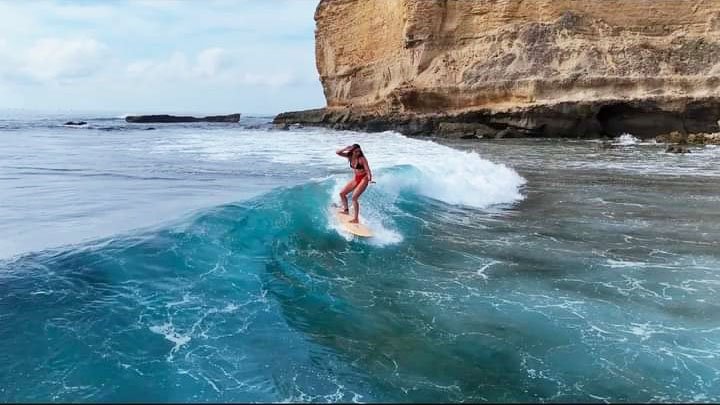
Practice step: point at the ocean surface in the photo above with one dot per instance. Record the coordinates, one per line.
(202, 262)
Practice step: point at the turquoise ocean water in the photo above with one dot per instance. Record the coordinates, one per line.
(202, 263)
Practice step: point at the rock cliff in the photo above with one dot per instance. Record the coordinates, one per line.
(518, 67)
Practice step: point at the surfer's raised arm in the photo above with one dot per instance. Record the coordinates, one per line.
(344, 152)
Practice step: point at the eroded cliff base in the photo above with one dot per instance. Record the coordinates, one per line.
(588, 119)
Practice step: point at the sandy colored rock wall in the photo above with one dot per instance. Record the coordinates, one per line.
(454, 55)
(569, 68)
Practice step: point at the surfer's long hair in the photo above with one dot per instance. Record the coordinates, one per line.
(356, 147)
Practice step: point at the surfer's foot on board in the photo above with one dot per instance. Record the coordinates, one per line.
(354, 221)
(342, 210)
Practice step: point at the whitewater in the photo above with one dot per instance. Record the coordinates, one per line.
(176, 263)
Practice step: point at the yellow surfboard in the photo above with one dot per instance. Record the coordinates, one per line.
(355, 229)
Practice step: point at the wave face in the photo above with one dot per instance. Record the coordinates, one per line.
(261, 301)
(267, 301)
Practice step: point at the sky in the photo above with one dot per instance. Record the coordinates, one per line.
(151, 56)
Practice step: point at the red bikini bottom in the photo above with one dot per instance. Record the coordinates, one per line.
(359, 177)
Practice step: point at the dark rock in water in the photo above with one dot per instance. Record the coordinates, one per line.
(464, 130)
(673, 137)
(678, 149)
(606, 144)
(691, 139)
(167, 119)
(73, 123)
(705, 139)
(511, 132)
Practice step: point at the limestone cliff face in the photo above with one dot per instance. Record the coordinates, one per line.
(583, 67)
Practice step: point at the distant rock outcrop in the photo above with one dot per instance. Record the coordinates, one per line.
(568, 68)
(165, 119)
(680, 138)
(678, 149)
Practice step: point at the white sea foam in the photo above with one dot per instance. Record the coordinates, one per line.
(443, 173)
(627, 140)
(399, 164)
(460, 179)
(616, 264)
(168, 331)
(370, 215)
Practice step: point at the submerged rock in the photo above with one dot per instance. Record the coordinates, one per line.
(607, 145)
(672, 137)
(678, 149)
(464, 130)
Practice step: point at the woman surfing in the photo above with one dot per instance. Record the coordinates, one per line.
(356, 186)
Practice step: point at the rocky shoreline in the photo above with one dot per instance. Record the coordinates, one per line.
(645, 119)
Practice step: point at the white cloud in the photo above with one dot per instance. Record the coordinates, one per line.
(175, 67)
(83, 12)
(58, 59)
(210, 63)
(6, 57)
(266, 79)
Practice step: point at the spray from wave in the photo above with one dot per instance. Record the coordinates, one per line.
(627, 140)
(437, 171)
(400, 165)
(466, 179)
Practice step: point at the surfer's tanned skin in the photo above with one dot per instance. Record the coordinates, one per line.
(356, 186)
